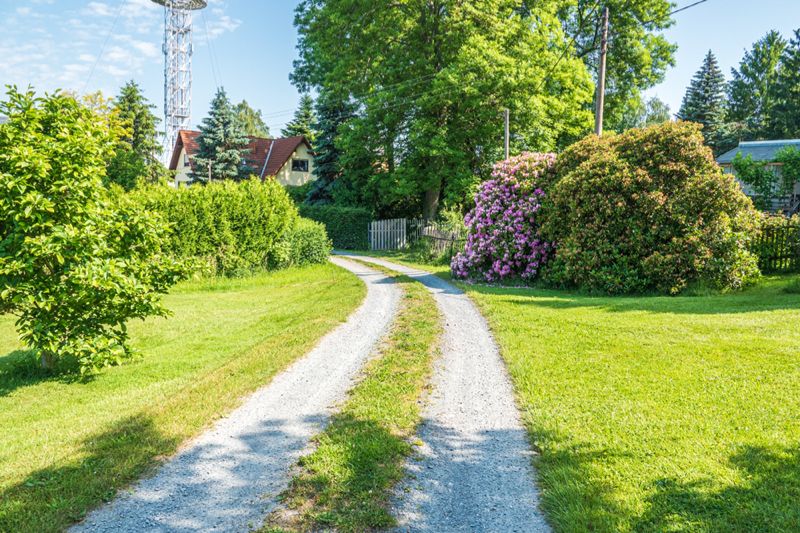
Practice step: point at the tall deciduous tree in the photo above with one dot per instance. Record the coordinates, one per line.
(638, 55)
(251, 121)
(430, 79)
(303, 121)
(704, 102)
(643, 114)
(751, 91)
(786, 108)
(221, 143)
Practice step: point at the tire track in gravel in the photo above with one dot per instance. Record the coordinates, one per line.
(228, 478)
(475, 473)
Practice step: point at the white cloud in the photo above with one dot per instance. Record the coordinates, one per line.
(23, 11)
(99, 9)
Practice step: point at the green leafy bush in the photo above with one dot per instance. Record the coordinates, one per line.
(348, 227)
(299, 193)
(305, 243)
(647, 210)
(75, 263)
(231, 227)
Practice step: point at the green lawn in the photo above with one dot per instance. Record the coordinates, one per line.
(67, 446)
(658, 413)
(346, 482)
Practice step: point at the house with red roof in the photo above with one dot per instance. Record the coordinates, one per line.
(289, 161)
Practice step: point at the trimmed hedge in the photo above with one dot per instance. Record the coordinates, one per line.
(347, 227)
(232, 228)
(305, 243)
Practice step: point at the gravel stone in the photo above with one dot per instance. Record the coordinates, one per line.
(228, 478)
(475, 473)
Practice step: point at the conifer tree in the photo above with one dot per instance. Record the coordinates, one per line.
(303, 121)
(704, 102)
(751, 91)
(332, 113)
(785, 121)
(221, 143)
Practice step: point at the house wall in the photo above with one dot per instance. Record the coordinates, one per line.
(286, 176)
(182, 170)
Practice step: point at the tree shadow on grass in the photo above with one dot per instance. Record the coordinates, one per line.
(52, 498)
(751, 301)
(767, 500)
(21, 368)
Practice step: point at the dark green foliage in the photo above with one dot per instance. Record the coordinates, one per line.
(704, 103)
(250, 120)
(221, 143)
(786, 111)
(778, 244)
(751, 92)
(135, 157)
(332, 113)
(647, 210)
(75, 263)
(347, 227)
(303, 121)
(230, 228)
(299, 193)
(305, 243)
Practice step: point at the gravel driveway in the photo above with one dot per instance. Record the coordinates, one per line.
(476, 472)
(227, 478)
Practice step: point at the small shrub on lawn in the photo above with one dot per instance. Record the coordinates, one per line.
(305, 243)
(647, 210)
(75, 263)
(503, 239)
(347, 227)
(231, 227)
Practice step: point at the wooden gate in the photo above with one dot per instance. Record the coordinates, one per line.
(388, 234)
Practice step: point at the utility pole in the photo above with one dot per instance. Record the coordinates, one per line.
(601, 78)
(507, 117)
(209, 171)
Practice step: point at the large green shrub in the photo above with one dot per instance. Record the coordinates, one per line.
(232, 227)
(348, 227)
(647, 210)
(305, 243)
(75, 264)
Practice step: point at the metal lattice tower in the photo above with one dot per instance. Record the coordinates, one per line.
(177, 67)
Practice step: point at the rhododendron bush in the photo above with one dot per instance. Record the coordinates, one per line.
(503, 239)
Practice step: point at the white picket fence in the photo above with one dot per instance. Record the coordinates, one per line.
(388, 234)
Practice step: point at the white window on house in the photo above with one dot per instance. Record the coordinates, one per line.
(185, 159)
(299, 165)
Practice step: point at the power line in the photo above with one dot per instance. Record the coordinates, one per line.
(214, 66)
(120, 7)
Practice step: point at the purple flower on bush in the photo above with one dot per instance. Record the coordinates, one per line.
(503, 239)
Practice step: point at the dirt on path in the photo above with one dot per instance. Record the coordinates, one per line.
(228, 478)
(475, 473)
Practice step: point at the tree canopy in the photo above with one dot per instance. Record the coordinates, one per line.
(221, 143)
(251, 120)
(429, 81)
(786, 106)
(303, 121)
(705, 100)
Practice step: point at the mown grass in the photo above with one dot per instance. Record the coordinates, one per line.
(68, 446)
(657, 413)
(345, 483)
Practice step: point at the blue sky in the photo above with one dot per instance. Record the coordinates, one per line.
(56, 43)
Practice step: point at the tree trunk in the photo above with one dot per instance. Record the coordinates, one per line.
(48, 361)
(431, 203)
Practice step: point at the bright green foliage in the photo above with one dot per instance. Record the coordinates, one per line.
(304, 243)
(704, 103)
(638, 54)
(751, 92)
(762, 179)
(347, 227)
(647, 210)
(251, 121)
(640, 114)
(786, 111)
(221, 144)
(430, 81)
(135, 158)
(75, 264)
(303, 121)
(68, 447)
(789, 158)
(231, 228)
